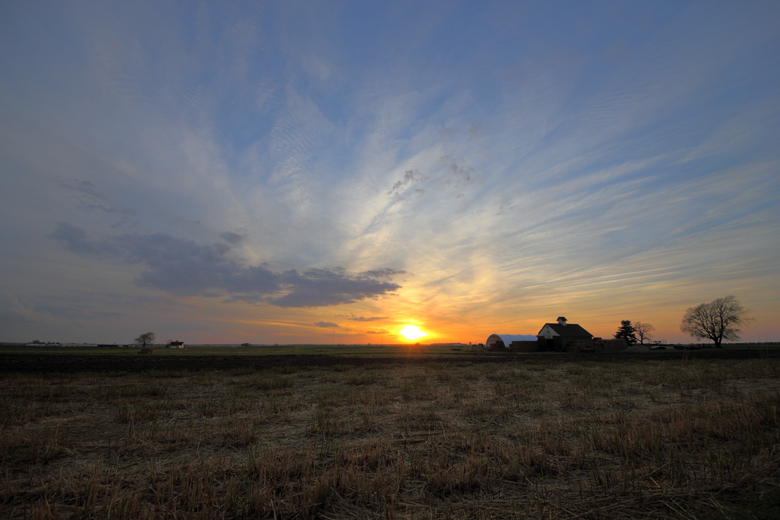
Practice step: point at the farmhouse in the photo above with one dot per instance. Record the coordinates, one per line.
(564, 337)
(514, 342)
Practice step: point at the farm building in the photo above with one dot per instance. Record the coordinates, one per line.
(564, 337)
(513, 342)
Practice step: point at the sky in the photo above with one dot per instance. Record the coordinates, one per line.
(331, 172)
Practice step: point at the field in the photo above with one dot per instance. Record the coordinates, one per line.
(403, 436)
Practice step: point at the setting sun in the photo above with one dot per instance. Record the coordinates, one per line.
(411, 332)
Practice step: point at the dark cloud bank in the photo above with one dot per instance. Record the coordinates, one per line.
(184, 268)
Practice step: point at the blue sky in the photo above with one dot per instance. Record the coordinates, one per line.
(331, 172)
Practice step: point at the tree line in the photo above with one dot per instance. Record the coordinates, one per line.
(719, 320)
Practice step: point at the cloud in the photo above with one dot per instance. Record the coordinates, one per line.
(88, 198)
(327, 324)
(410, 176)
(323, 287)
(377, 331)
(232, 238)
(74, 238)
(457, 174)
(361, 318)
(447, 173)
(15, 309)
(185, 268)
(383, 273)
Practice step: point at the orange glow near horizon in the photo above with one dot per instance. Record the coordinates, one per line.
(411, 333)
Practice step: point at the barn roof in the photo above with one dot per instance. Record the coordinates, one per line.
(570, 330)
(509, 338)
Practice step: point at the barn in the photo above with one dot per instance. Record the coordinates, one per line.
(565, 337)
(514, 342)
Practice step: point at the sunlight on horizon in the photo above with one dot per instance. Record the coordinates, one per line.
(411, 333)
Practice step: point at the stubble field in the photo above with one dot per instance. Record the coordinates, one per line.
(534, 437)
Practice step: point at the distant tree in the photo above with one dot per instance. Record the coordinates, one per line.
(718, 320)
(643, 330)
(626, 332)
(145, 339)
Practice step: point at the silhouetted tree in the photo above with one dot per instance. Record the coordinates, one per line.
(145, 339)
(626, 332)
(718, 320)
(643, 330)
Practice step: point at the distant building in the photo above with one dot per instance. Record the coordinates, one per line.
(175, 344)
(564, 337)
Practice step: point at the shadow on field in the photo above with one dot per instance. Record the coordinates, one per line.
(63, 362)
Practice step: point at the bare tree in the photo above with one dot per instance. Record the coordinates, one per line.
(718, 320)
(145, 339)
(643, 330)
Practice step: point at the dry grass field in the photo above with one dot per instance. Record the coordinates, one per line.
(525, 438)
